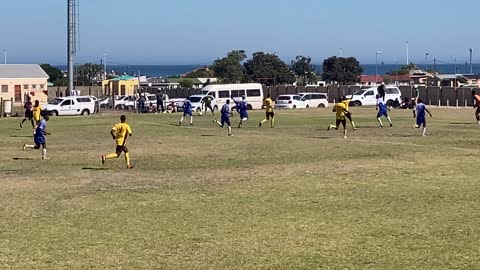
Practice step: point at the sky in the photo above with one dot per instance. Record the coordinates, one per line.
(180, 32)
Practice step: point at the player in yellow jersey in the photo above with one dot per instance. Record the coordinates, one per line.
(270, 115)
(120, 133)
(37, 112)
(340, 118)
(346, 102)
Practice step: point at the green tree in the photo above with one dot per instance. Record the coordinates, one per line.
(342, 70)
(201, 73)
(88, 74)
(55, 75)
(229, 69)
(269, 69)
(303, 68)
(186, 84)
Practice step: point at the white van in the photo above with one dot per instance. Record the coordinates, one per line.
(71, 105)
(253, 93)
(367, 97)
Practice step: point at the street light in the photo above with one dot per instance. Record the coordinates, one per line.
(396, 72)
(426, 61)
(376, 66)
(471, 65)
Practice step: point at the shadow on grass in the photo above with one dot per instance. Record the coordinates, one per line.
(19, 158)
(21, 136)
(95, 169)
(462, 123)
(207, 135)
(322, 137)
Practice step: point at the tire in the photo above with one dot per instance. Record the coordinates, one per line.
(215, 108)
(54, 113)
(294, 107)
(390, 103)
(85, 112)
(308, 106)
(199, 109)
(356, 104)
(321, 105)
(249, 107)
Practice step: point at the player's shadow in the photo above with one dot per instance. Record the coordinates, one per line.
(462, 123)
(19, 158)
(207, 135)
(321, 137)
(94, 169)
(404, 135)
(21, 136)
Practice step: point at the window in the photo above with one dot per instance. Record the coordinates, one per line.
(238, 93)
(297, 98)
(283, 98)
(34, 86)
(25, 87)
(42, 86)
(322, 96)
(224, 94)
(254, 93)
(212, 93)
(391, 91)
(308, 97)
(4, 88)
(84, 99)
(66, 103)
(369, 93)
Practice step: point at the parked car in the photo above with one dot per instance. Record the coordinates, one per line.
(290, 102)
(104, 102)
(367, 97)
(315, 100)
(71, 105)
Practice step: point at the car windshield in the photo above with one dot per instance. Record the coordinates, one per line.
(283, 98)
(203, 92)
(359, 92)
(194, 99)
(56, 101)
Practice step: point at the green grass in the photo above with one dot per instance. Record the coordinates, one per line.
(292, 197)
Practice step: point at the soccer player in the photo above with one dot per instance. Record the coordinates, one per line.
(225, 117)
(346, 102)
(382, 111)
(268, 104)
(39, 137)
(242, 107)
(207, 103)
(381, 91)
(120, 133)
(187, 110)
(421, 119)
(28, 113)
(37, 112)
(477, 105)
(341, 111)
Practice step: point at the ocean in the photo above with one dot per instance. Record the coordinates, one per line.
(176, 70)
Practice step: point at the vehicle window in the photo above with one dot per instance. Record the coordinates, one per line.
(308, 97)
(152, 98)
(297, 98)
(204, 92)
(211, 93)
(322, 96)
(283, 98)
(66, 103)
(315, 96)
(391, 91)
(369, 93)
(56, 101)
(238, 93)
(359, 92)
(224, 94)
(84, 99)
(254, 93)
(194, 99)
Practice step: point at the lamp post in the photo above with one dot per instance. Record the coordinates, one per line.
(471, 65)
(376, 66)
(5, 56)
(426, 61)
(408, 60)
(396, 72)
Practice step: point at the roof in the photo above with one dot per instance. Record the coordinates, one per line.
(371, 78)
(22, 71)
(178, 80)
(124, 78)
(448, 76)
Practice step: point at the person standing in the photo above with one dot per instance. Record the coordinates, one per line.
(476, 101)
(39, 138)
(421, 116)
(120, 132)
(268, 105)
(160, 106)
(382, 111)
(225, 117)
(28, 112)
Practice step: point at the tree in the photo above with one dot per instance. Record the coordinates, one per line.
(201, 73)
(268, 68)
(229, 69)
(303, 68)
(88, 74)
(342, 70)
(186, 84)
(55, 75)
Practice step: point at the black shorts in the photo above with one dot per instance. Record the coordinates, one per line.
(28, 114)
(120, 149)
(343, 122)
(43, 145)
(478, 110)
(348, 116)
(270, 114)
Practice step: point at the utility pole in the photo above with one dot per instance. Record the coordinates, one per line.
(434, 63)
(5, 56)
(105, 66)
(426, 61)
(71, 46)
(408, 60)
(471, 65)
(376, 66)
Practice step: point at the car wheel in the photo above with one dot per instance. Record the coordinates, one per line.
(390, 103)
(54, 113)
(308, 106)
(85, 112)
(321, 105)
(356, 104)
(249, 107)
(199, 109)
(294, 107)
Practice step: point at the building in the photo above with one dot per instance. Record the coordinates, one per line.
(370, 80)
(122, 85)
(447, 80)
(19, 81)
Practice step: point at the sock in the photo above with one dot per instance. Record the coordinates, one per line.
(191, 120)
(344, 132)
(218, 123)
(30, 146)
(353, 124)
(127, 159)
(389, 120)
(229, 130)
(380, 122)
(263, 121)
(111, 156)
(181, 120)
(272, 124)
(44, 153)
(424, 131)
(332, 126)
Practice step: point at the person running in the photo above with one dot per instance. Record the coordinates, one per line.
(187, 110)
(225, 117)
(421, 117)
(242, 109)
(120, 132)
(28, 113)
(39, 138)
(270, 115)
(340, 111)
(382, 111)
(37, 112)
(346, 102)
(476, 105)
(207, 104)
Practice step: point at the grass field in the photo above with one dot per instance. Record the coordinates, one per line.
(292, 197)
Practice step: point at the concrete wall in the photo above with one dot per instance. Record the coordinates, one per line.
(31, 87)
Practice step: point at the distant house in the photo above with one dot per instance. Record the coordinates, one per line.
(447, 80)
(19, 81)
(472, 80)
(370, 80)
(400, 79)
(122, 85)
(420, 77)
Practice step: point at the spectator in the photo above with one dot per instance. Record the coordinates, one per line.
(160, 106)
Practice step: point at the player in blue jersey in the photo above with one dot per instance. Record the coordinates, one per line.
(225, 112)
(242, 107)
(187, 110)
(39, 138)
(421, 116)
(382, 111)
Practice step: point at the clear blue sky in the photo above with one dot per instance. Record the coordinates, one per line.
(199, 31)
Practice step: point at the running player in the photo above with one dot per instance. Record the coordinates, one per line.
(340, 118)
(346, 102)
(268, 104)
(28, 113)
(37, 111)
(39, 137)
(120, 133)
(382, 111)
(187, 110)
(477, 105)
(225, 117)
(242, 107)
(421, 117)
(207, 103)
